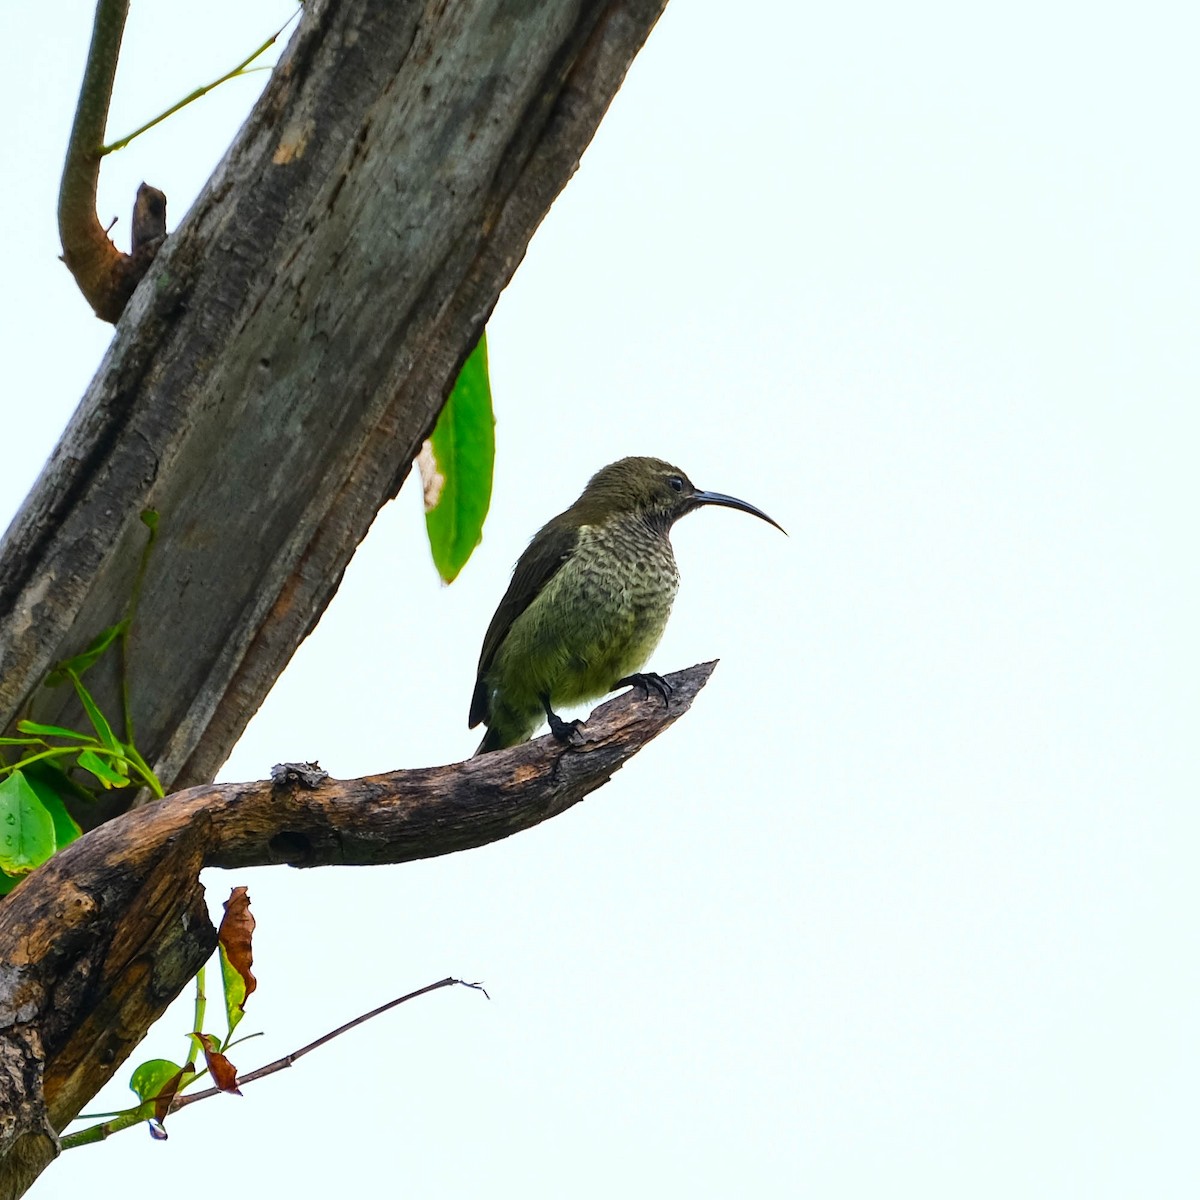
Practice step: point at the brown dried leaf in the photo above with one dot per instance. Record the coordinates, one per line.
(234, 936)
(223, 1072)
(166, 1096)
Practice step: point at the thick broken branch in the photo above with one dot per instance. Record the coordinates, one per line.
(106, 276)
(100, 939)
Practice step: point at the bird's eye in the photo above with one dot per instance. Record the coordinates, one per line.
(675, 483)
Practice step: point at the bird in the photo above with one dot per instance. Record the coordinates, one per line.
(588, 602)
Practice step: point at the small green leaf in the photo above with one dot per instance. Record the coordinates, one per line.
(82, 661)
(21, 741)
(97, 718)
(147, 1079)
(26, 828)
(106, 772)
(456, 467)
(54, 731)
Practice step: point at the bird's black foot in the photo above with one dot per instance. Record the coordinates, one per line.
(564, 731)
(647, 680)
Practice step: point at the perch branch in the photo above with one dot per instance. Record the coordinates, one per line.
(98, 941)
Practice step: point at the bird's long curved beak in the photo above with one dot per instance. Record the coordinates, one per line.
(733, 502)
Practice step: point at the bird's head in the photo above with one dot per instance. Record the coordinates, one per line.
(652, 489)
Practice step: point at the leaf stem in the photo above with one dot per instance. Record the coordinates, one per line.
(97, 1133)
(197, 1018)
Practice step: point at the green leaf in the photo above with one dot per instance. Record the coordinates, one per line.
(234, 987)
(29, 741)
(80, 662)
(53, 731)
(26, 828)
(156, 1084)
(456, 467)
(106, 772)
(151, 1077)
(97, 718)
(66, 829)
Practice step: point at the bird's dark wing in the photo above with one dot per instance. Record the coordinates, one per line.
(535, 568)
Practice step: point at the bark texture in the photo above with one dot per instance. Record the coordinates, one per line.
(274, 375)
(100, 939)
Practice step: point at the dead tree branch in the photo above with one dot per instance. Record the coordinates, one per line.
(98, 941)
(106, 276)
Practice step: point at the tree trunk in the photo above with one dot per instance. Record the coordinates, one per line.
(276, 372)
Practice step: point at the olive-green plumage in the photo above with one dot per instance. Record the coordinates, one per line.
(588, 601)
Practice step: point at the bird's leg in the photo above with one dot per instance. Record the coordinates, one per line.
(647, 680)
(564, 731)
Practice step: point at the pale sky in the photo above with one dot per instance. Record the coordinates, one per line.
(906, 905)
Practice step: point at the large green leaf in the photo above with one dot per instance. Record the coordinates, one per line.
(456, 467)
(66, 828)
(26, 827)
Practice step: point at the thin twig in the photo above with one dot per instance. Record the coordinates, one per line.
(129, 1117)
(240, 69)
(288, 1059)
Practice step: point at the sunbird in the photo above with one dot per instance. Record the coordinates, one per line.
(588, 602)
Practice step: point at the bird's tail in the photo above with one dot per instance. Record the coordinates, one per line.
(491, 741)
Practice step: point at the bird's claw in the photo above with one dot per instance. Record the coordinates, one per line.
(647, 680)
(566, 732)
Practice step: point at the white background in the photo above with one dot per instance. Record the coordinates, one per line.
(906, 905)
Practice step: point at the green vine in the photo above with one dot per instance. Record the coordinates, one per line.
(159, 1083)
(243, 68)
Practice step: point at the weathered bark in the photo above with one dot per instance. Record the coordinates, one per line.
(273, 377)
(97, 942)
